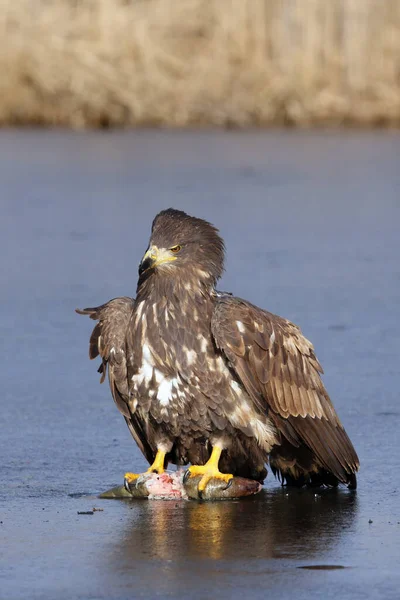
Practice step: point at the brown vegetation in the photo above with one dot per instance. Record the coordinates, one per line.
(196, 62)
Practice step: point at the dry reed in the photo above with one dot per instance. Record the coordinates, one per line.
(199, 62)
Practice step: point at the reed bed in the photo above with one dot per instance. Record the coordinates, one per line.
(91, 63)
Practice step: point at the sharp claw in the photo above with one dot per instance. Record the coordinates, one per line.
(200, 493)
(228, 485)
(186, 476)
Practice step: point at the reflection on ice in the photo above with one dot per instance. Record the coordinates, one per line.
(277, 523)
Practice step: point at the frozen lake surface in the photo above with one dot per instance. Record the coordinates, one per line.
(311, 222)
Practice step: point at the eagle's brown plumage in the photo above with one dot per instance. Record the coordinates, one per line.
(108, 341)
(191, 368)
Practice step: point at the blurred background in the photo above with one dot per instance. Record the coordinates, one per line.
(98, 63)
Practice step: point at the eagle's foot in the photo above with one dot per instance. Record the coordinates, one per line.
(132, 479)
(136, 479)
(209, 471)
(207, 475)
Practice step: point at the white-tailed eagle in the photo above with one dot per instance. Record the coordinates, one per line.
(205, 378)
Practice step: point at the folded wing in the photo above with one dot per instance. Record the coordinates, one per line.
(108, 340)
(278, 367)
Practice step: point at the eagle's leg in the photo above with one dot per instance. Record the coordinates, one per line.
(156, 467)
(209, 471)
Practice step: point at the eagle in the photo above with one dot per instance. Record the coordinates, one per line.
(206, 378)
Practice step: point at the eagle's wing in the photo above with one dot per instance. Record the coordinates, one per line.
(278, 367)
(108, 340)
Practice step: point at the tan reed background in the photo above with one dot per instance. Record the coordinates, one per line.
(199, 62)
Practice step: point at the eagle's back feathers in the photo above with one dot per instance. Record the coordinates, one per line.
(280, 371)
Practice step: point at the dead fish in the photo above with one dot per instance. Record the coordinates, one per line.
(170, 486)
(216, 489)
(120, 493)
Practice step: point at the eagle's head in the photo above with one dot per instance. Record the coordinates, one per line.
(182, 246)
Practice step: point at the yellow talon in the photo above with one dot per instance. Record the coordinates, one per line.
(156, 467)
(210, 470)
(131, 477)
(158, 464)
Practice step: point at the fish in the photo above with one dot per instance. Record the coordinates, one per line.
(171, 486)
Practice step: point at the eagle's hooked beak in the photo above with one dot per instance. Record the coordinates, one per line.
(155, 257)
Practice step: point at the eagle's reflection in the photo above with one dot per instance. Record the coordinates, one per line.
(277, 523)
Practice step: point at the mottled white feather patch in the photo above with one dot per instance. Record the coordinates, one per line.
(221, 366)
(167, 390)
(236, 387)
(244, 415)
(132, 403)
(240, 326)
(146, 369)
(203, 343)
(159, 376)
(264, 433)
(190, 356)
(164, 392)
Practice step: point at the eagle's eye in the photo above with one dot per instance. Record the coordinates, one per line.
(176, 249)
